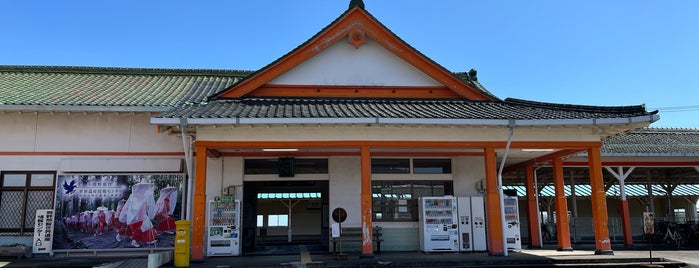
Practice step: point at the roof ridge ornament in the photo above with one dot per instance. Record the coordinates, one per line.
(356, 37)
(353, 3)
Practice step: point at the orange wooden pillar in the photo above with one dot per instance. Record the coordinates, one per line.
(562, 224)
(492, 197)
(626, 223)
(603, 245)
(532, 211)
(199, 206)
(367, 229)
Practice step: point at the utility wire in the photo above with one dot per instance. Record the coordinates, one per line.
(686, 108)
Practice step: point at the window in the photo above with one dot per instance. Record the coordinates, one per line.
(281, 220)
(271, 166)
(398, 200)
(680, 215)
(311, 166)
(288, 195)
(21, 194)
(403, 166)
(261, 166)
(431, 166)
(390, 166)
(260, 220)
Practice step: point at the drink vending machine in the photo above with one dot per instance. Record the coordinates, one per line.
(512, 230)
(480, 240)
(224, 230)
(465, 224)
(439, 231)
(472, 236)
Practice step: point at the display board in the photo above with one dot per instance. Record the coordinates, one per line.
(100, 211)
(43, 231)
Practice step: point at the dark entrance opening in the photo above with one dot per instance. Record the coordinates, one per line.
(278, 216)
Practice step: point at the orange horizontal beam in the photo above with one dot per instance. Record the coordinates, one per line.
(577, 145)
(381, 154)
(353, 91)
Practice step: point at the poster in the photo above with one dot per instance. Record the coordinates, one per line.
(116, 211)
(648, 223)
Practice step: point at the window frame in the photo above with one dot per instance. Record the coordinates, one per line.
(276, 221)
(386, 207)
(302, 166)
(25, 190)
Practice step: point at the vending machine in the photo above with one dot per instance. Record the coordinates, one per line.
(224, 230)
(465, 224)
(478, 231)
(439, 231)
(512, 230)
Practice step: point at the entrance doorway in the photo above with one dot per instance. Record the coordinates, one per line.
(280, 215)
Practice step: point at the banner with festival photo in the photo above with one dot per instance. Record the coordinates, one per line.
(116, 211)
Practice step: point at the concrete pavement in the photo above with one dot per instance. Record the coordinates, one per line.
(582, 256)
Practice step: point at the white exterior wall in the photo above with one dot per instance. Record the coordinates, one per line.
(312, 132)
(345, 187)
(214, 178)
(77, 132)
(342, 64)
(64, 136)
(222, 173)
(467, 172)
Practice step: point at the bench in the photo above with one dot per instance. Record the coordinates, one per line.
(354, 234)
(14, 251)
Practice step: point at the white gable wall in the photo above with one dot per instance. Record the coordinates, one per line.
(342, 64)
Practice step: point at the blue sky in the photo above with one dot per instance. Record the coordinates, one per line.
(593, 52)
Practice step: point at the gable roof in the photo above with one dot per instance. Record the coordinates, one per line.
(653, 142)
(107, 89)
(357, 23)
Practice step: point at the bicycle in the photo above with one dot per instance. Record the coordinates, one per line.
(673, 236)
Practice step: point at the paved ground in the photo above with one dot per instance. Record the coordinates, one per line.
(582, 256)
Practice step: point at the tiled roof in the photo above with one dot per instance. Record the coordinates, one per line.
(84, 87)
(183, 93)
(630, 189)
(397, 108)
(654, 141)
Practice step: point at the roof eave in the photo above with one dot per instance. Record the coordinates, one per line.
(411, 121)
(81, 108)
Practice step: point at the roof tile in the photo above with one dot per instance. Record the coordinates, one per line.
(654, 141)
(396, 108)
(99, 86)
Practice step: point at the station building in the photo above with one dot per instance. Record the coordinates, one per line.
(357, 119)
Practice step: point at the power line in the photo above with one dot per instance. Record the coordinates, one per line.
(671, 109)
